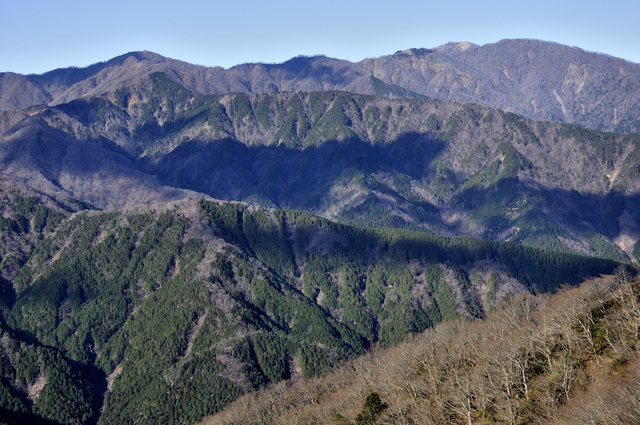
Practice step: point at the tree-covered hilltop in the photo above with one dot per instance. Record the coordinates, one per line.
(166, 314)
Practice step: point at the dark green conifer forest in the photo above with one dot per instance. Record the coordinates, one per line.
(166, 314)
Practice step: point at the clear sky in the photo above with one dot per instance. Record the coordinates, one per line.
(40, 35)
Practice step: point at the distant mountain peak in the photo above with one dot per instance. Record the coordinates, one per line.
(303, 60)
(456, 46)
(140, 55)
(517, 75)
(416, 51)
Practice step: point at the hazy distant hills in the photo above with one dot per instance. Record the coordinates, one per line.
(541, 80)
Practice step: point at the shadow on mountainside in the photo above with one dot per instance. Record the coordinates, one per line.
(602, 212)
(290, 178)
(304, 178)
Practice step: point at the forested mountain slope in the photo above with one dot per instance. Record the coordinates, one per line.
(453, 169)
(542, 80)
(165, 314)
(569, 359)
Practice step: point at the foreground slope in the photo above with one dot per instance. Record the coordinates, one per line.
(167, 314)
(571, 358)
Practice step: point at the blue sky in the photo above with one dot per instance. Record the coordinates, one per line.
(38, 36)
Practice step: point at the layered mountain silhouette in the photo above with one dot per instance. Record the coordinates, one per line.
(541, 80)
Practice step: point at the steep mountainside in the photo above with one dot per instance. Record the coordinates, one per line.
(541, 80)
(166, 314)
(371, 161)
(53, 162)
(544, 81)
(569, 359)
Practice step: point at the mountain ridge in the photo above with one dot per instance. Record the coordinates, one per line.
(503, 369)
(542, 80)
(419, 163)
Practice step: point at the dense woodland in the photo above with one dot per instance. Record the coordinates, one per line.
(572, 358)
(167, 314)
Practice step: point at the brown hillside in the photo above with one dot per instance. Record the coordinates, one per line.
(569, 358)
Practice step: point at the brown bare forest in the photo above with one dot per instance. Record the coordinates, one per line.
(569, 358)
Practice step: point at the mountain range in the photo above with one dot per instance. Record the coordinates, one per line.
(540, 80)
(423, 164)
(172, 231)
